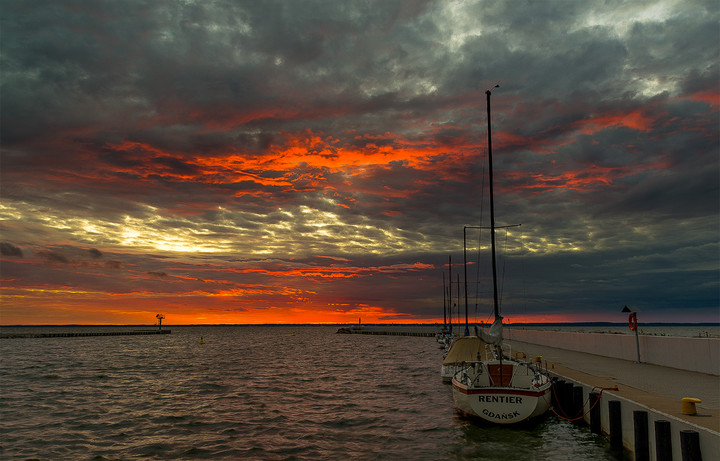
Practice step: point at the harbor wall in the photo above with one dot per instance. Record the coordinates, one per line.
(709, 439)
(701, 355)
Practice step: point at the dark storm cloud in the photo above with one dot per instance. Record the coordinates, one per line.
(115, 265)
(172, 64)
(355, 128)
(8, 249)
(54, 257)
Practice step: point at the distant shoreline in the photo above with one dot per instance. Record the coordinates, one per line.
(532, 324)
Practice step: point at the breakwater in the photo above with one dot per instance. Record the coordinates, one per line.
(74, 334)
(391, 330)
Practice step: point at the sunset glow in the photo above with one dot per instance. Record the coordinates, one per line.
(293, 168)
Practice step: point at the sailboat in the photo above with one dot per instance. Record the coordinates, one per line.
(496, 386)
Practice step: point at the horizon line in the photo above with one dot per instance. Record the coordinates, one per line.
(345, 323)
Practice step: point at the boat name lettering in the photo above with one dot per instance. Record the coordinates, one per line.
(490, 414)
(499, 399)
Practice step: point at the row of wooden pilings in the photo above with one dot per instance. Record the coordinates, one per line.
(75, 334)
(568, 402)
(357, 331)
(394, 333)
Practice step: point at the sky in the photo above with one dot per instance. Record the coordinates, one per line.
(317, 161)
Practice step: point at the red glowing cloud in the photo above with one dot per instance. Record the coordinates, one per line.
(222, 172)
(636, 120)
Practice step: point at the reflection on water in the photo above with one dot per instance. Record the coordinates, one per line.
(251, 392)
(546, 439)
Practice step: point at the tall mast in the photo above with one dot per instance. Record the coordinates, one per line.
(492, 209)
(467, 328)
(444, 304)
(450, 291)
(458, 297)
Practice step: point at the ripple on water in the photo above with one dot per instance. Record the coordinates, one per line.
(250, 393)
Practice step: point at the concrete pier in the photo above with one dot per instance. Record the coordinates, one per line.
(641, 387)
(76, 334)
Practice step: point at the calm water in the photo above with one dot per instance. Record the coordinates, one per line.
(251, 393)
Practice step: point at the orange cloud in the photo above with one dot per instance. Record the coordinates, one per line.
(587, 178)
(59, 307)
(710, 97)
(635, 120)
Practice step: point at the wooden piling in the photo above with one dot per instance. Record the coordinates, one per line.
(568, 402)
(614, 409)
(690, 445)
(663, 440)
(578, 406)
(557, 392)
(595, 422)
(642, 443)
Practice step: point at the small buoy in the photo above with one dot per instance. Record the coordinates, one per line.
(688, 405)
(202, 341)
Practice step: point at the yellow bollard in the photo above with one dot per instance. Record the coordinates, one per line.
(688, 405)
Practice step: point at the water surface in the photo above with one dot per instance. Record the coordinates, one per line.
(251, 392)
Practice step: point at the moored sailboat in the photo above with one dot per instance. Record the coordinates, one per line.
(498, 387)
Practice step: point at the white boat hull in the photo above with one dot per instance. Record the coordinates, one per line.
(502, 405)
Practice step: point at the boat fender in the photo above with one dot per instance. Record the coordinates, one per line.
(632, 321)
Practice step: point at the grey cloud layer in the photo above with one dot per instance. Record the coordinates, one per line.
(201, 79)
